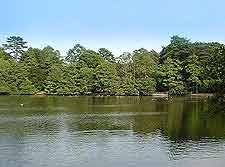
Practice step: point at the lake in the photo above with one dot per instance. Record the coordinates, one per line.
(110, 132)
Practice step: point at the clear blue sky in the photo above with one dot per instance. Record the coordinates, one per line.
(119, 25)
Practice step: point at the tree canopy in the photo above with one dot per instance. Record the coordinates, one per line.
(15, 46)
(180, 68)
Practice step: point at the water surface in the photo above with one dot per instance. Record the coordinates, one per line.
(110, 132)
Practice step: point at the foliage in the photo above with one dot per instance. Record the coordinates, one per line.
(216, 70)
(15, 46)
(145, 64)
(171, 78)
(4, 89)
(194, 72)
(107, 55)
(26, 88)
(181, 67)
(106, 79)
(74, 53)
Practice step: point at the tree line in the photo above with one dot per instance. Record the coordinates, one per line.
(180, 68)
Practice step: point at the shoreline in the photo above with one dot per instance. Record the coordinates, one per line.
(156, 95)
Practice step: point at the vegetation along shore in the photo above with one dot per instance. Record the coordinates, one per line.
(182, 67)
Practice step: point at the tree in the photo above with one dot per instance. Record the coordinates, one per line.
(26, 87)
(194, 73)
(124, 65)
(106, 80)
(15, 46)
(38, 64)
(145, 64)
(85, 81)
(37, 68)
(126, 78)
(8, 75)
(3, 54)
(216, 70)
(74, 53)
(181, 67)
(83, 57)
(90, 59)
(15, 76)
(51, 56)
(170, 78)
(4, 89)
(179, 48)
(107, 55)
(173, 60)
(56, 81)
(127, 87)
(71, 77)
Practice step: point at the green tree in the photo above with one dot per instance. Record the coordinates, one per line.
(8, 75)
(170, 77)
(74, 54)
(125, 71)
(180, 67)
(179, 48)
(3, 54)
(4, 89)
(37, 68)
(26, 87)
(106, 80)
(124, 65)
(205, 53)
(145, 63)
(51, 56)
(173, 75)
(216, 70)
(194, 73)
(14, 75)
(107, 55)
(90, 59)
(127, 87)
(15, 46)
(85, 81)
(38, 65)
(56, 81)
(72, 80)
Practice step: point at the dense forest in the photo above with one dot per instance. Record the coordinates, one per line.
(180, 68)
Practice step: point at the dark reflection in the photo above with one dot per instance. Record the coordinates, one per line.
(194, 120)
(177, 118)
(183, 127)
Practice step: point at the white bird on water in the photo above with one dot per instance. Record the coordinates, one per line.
(21, 105)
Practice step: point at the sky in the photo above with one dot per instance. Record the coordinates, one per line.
(118, 25)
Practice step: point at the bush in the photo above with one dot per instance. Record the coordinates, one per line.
(26, 88)
(177, 88)
(4, 90)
